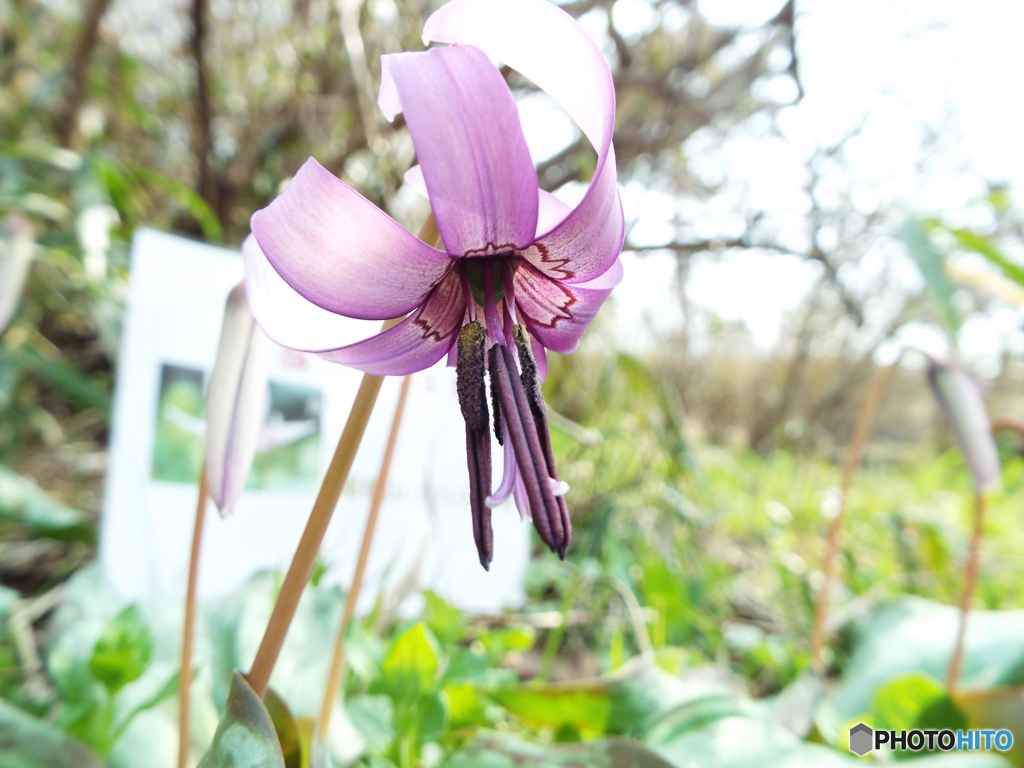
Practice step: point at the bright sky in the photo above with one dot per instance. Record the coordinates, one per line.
(906, 65)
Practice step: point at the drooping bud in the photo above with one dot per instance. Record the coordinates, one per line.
(16, 249)
(961, 401)
(235, 401)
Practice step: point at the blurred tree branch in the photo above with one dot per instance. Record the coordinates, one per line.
(78, 70)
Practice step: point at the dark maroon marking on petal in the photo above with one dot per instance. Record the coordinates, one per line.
(502, 249)
(527, 277)
(544, 257)
(445, 304)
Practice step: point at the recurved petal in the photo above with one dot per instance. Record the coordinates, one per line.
(235, 401)
(557, 313)
(285, 316)
(341, 252)
(417, 342)
(470, 145)
(546, 45)
(964, 408)
(550, 210)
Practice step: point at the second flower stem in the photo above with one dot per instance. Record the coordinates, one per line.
(338, 658)
(301, 567)
(865, 419)
(970, 581)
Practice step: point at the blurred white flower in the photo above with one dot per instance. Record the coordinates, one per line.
(16, 250)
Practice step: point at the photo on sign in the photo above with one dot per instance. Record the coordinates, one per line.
(287, 456)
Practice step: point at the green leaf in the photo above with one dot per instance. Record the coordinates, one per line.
(29, 743)
(245, 736)
(24, 502)
(287, 729)
(933, 267)
(984, 245)
(445, 621)
(913, 701)
(917, 635)
(411, 665)
(372, 716)
(628, 701)
(169, 689)
(122, 653)
(502, 750)
(998, 708)
(193, 202)
(81, 389)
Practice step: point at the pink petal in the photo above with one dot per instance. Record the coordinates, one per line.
(234, 402)
(341, 252)
(288, 318)
(550, 210)
(546, 45)
(557, 313)
(466, 131)
(417, 342)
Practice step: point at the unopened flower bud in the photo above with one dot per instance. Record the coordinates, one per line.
(235, 402)
(960, 398)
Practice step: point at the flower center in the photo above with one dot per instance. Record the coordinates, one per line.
(474, 268)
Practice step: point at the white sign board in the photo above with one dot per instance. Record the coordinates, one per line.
(172, 322)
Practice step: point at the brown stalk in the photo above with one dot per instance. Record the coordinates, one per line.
(301, 567)
(338, 658)
(865, 419)
(970, 581)
(323, 508)
(188, 633)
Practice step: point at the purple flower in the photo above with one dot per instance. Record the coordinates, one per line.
(520, 273)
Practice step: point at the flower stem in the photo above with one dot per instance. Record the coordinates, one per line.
(338, 659)
(188, 633)
(865, 419)
(970, 581)
(313, 535)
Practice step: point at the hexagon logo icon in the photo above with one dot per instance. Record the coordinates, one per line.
(862, 739)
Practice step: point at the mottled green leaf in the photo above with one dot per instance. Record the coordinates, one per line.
(24, 502)
(29, 743)
(245, 737)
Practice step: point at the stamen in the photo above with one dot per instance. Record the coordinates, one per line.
(467, 294)
(558, 487)
(521, 499)
(531, 385)
(469, 372)
(478, 454)
(522, 434)
(508, 474)
(473, 402)
(491, 308)
(508, 277)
